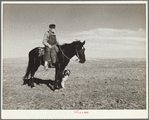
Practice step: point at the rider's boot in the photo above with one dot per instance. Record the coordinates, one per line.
(46, 65)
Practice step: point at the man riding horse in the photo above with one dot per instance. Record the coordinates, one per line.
(51, 49)
(55, 55)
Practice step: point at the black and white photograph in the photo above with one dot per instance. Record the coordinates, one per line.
(76, 59)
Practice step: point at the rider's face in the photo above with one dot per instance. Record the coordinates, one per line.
(52, 29)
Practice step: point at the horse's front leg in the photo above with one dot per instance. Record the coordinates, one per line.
(58, 77)
(57, 71)
(61, 77)
(58, 80)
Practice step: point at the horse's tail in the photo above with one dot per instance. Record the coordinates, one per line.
(30, 63)
(27, 72)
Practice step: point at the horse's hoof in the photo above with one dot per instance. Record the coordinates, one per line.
(56, 90)
(23, 85)
(33, 87)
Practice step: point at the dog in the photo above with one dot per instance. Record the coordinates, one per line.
(65, 77)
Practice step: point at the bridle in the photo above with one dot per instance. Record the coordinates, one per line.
(77, 52)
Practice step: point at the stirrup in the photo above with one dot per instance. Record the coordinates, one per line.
(50, 65)
(46, 68)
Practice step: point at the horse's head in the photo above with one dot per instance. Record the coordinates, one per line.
(80, 51)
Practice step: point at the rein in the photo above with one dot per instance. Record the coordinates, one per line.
(63, 52)
(65, 55)
(77, 53)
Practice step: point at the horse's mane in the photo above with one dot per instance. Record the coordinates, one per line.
(72, 43)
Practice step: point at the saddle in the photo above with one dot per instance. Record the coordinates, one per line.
(41, 51)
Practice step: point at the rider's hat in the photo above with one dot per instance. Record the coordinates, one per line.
(52, 26)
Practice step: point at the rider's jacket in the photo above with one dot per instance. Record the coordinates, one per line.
(49, 38)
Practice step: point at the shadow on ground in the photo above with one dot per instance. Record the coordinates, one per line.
(38, 81)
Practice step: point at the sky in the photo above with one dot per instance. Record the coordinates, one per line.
(110, 30)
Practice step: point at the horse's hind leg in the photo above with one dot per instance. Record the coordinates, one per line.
(34, 69)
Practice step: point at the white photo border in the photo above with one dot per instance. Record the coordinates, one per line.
(69, 114)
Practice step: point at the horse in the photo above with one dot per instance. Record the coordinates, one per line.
(65, 53)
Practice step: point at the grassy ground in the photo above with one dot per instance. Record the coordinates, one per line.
(96, 84)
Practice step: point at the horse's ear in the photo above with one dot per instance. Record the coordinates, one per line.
(83, 42)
